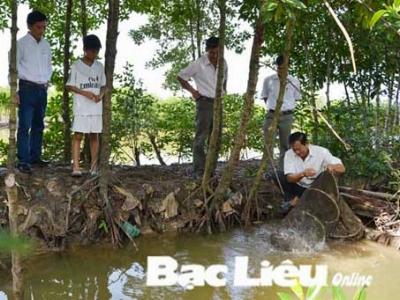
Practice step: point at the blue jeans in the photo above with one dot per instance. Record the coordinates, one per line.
(32, 109)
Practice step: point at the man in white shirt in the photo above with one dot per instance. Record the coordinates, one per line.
(270, 94)
(303, 163)
(204, 73)
(34, 72)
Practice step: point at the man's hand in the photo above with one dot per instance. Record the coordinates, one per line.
(196, 95)
(336, 169)
(98, 98)
(16, 99)
(309, 172)
(331, 168)
(90, 95)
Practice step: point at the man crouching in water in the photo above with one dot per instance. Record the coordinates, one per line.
(303, 163)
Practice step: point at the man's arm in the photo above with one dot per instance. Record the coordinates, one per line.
(49, 63)
(338, 169)
(86, 94)
(226, 78)
(333, 164)
(185, 75)
(187, 86)
(99, 97)
(225, 85)
(296, 177)
(264, 92)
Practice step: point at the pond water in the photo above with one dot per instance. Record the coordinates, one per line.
(107, 273)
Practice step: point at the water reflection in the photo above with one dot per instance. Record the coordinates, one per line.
(106, 273)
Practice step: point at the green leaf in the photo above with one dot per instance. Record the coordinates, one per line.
(103, 225)
(313, 292)
(361, 294)
(396, 4)
(338, 293)
(298, 290)
(271, 6)
(295, 3)
(376, 17)
(284, 296)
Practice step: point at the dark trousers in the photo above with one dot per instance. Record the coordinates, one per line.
(284, 128)
(32, 108)
(290, 189)
(204, 126)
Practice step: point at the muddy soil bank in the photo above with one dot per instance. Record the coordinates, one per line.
(58, 210)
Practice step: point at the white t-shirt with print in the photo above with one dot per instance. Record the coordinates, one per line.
(87, 78)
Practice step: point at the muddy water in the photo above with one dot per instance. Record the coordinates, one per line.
(105, 273)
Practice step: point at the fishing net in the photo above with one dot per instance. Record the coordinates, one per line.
(320, 213)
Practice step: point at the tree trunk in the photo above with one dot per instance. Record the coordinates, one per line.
(311, 89)
(193, 47)
(111, 52)
(66, 110)
(347, 93)
(86, 156)
(214, 141)
(397, 117)
(192, 44)
(247, 109)
(83, 18)
(269, 138)
(369, 90)
(351, 85)
(10, 183)
(199, 36)
(156, 149)
(136, 153)
(328, 80)
(388, 115)
(377, 117)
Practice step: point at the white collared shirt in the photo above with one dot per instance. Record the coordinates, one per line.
(34, 59)
(87, 78)
(271, 91)
(204, 75)
(318, 158)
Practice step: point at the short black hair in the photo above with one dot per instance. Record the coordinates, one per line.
(298, 136)
(212, 42)
(35, 16)
(280, 60)
(91, 42)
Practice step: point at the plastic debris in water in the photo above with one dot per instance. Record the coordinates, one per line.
(130, 229)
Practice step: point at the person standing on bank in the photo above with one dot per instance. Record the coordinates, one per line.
(87, 82)
(34, 72)
(204, 73)
(270, 93)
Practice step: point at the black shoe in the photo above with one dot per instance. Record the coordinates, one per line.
(285, 208)
(24, 168)
(40, 163)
